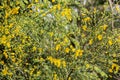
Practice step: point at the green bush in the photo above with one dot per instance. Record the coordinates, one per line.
(57, 40)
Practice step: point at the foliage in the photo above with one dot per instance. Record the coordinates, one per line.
(56, 40)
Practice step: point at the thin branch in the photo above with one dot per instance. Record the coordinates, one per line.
(70, 74)
(110, 2)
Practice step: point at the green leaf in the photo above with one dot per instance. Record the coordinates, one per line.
(22, 4)
(26, 1)
(11, 3)
(98, 70)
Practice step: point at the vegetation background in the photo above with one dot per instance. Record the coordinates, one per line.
(59, 40)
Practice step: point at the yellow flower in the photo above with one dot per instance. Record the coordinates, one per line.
(66, 40)
(38, 73)
(30, 11)
(5, 54)
(57, 62)
(90, 41)
(1, 7)
(99, 37)
(7, 31)
(82, 35)
(54, 8)
(50, 59)
(58, 47)
(6, 14)
(13, 59)
(31, 71)
(67, 50)
(105, 27)
(110, 42)
(51, 34)
(12, 54)
(53, 0)
(26, 63)
(84, 27)
(36, 1)
(94, 10)
(41, 59)
(11, 25)
(83, 14)
(15, 10)
(110, 70)
(69, 78)
(5, 71)
(87, 66)
(64, 63)
(8, 44)
(58, 6)
(117, 8)
(40, 49)
(55, 77)
(73, 49)
(67, 13)
(3, 39)
(78, 52)
(34, 48)
(23, 40)
(2, 62)
(115, 66)
(87, 19)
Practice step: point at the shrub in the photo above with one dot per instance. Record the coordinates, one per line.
(57, 40)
